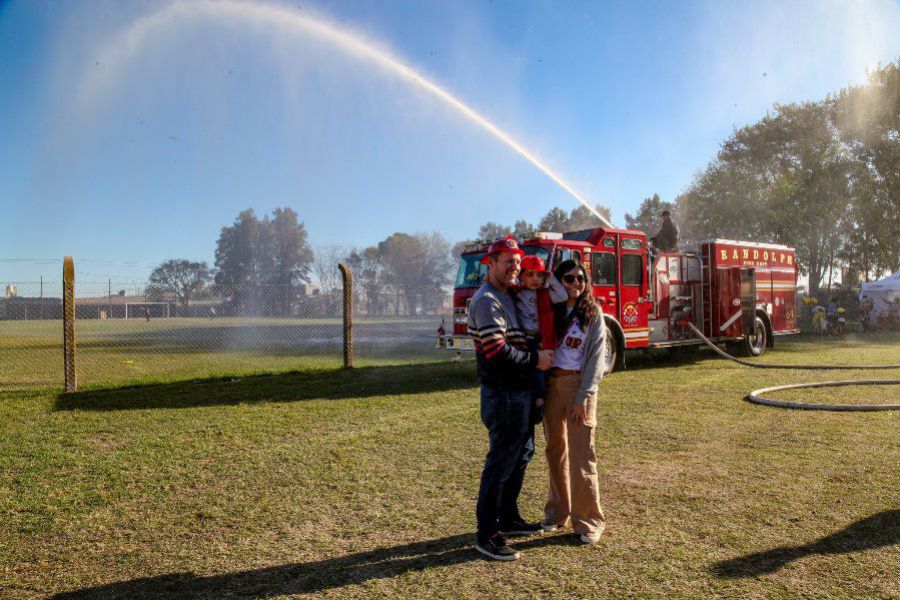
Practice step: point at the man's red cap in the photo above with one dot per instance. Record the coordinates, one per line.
(535, 263)
(507, 244)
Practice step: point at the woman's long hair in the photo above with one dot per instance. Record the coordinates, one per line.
(586, 308)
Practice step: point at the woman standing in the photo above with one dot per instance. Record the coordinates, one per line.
(571, 409)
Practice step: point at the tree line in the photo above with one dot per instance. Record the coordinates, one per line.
(265, 267)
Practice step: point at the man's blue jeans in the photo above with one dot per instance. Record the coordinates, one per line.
(507, 416)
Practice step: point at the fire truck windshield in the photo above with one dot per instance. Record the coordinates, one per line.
(471, 272)
(539, 251)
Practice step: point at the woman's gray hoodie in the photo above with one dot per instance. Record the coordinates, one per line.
(592, 367)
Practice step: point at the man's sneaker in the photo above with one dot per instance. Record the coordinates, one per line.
(590, 538)
(520, 527)
(548, 527)
(495, 547)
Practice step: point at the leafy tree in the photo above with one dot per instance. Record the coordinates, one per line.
(289, 249)
(402, 255)
(457, 249)
(180, 278)
(285, 258)
(647, 218)
(438, 272)
(784, 179)
(868, 121)
(327, 274)
(261, 261)
(522, 227)
(557, 219)
(368, 285)
(413, 271)
(236, 257)
(491, 230)
(722, 202)
(582, 218)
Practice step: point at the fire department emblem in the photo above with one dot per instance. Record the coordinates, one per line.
(630, 314)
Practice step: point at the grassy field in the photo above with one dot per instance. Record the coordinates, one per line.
(362, 484)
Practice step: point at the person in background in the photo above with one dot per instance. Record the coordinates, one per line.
(819, 321)
(570, 415)
(667, 238)
(831, 315)
(504, 363)
(865, 312)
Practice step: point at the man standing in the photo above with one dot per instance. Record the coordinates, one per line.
(667, 238)
(504, 365)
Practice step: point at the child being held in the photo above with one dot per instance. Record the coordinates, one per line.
(534, 308)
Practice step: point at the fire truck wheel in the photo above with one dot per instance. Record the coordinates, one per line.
(612, 352)
(755, 343)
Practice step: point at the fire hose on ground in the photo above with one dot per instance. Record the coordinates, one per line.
(756, 396)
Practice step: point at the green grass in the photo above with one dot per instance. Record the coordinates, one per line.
(362, 483)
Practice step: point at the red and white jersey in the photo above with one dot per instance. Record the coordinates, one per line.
(569, 353)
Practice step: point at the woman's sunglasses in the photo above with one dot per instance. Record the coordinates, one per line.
(572, 278)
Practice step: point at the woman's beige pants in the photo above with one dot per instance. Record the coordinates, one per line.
(574, 488)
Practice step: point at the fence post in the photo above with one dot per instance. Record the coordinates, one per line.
(69, 323)
(348, 315)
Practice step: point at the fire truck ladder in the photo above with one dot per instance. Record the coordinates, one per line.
(756, 395)
(706, 297)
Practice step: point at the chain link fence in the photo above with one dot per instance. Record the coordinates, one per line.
(124, 336)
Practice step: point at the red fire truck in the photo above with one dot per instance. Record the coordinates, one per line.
(742, 294)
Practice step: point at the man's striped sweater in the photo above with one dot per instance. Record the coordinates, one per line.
(502, 355)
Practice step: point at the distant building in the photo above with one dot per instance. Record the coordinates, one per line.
(10, 290)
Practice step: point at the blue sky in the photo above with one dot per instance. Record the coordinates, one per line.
(131, 132)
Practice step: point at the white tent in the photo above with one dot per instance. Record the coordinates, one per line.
(885, 295)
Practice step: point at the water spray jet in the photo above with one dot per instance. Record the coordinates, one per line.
(130, 41)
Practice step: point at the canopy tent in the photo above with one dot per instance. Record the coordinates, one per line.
(885, 295)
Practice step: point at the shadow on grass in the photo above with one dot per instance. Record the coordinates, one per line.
(309, 577)
(876, 531)
(281, 387)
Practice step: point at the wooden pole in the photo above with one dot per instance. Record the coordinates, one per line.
(348, 315)
(69, 323)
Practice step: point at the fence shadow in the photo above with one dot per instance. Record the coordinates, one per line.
(876, 531)
(309, 577)
(361, 382)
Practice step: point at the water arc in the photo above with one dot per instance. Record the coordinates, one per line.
(130, 41)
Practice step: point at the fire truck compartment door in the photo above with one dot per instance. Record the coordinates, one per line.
(748, 298)
(730, 323)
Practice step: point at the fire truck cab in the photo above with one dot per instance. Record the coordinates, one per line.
(739, 293)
